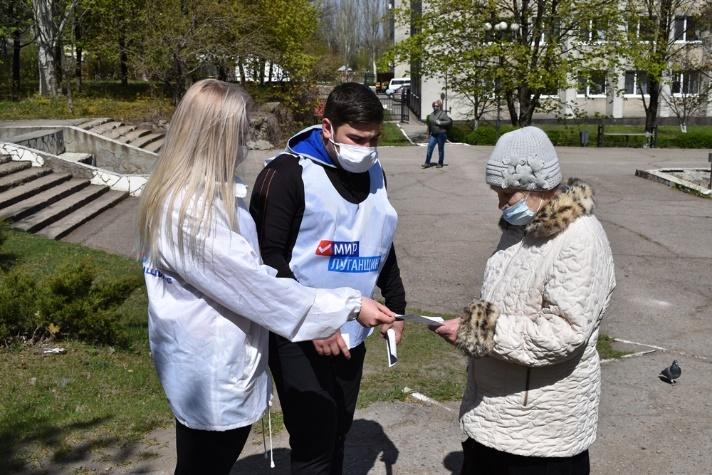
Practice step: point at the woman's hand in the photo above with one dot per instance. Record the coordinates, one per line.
(373, 313)
(448, 330)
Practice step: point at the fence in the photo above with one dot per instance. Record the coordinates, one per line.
(395, 107)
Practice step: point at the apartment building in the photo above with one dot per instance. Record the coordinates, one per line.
(614, 93)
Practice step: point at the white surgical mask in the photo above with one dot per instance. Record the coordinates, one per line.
(354, 158)
(519, 213)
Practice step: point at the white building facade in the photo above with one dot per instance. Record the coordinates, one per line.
(610, 94)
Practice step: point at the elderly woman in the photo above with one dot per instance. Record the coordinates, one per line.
(534, 380)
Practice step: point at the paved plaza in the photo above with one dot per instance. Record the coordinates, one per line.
(662, 244)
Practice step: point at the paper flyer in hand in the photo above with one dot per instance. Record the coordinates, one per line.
(424, 319)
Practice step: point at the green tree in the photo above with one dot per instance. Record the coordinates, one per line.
(544, 47)
(51, 17)
(16, 24)
(653, 48)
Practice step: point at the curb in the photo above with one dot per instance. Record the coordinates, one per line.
(662, 176)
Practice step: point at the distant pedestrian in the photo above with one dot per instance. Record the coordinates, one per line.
(438, 123)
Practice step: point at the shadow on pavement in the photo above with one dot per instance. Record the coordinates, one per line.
(453, 462)
(366, 446)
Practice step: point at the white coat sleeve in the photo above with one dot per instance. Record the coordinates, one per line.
(231, 275)
(574, 299)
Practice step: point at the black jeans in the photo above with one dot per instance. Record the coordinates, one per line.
(318, 397)
(208, 452)
(480, 459)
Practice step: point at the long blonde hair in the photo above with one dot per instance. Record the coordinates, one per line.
(196, 168)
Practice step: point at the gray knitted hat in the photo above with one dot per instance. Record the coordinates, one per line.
(524, 159)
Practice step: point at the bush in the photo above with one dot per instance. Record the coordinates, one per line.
(457, 133)
(484, 135)
(694, 138)
(70, 303)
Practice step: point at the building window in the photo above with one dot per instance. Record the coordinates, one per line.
(592, 30)
(636, 82)
(686, 82)
(685, 29)
(647, 26)
(593, 84)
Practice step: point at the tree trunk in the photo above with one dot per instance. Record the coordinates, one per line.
(655, 83)
(512, 108)
(58, 61)
(222, 72)
(44, 24)
(651, 114)
(78, 52)
(123, 61)
(241, 67)
(179, 79)
(16, 48)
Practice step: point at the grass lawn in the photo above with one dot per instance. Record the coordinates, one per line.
(58, 407)
(67, 407)
(392, 135)
(132, 110)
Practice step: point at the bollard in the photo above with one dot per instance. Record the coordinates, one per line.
(709, 159)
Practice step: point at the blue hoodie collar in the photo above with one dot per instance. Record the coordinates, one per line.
(308, 143)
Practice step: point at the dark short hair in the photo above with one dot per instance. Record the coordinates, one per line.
(353, 103)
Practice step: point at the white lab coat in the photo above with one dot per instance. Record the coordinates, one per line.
(209, 322)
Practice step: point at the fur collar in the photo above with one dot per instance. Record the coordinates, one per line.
(572, 202)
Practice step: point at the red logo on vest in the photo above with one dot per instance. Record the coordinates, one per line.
(324, 248)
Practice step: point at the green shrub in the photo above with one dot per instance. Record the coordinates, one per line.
(70, 303)
(457, 133)
(484, 135)
(694, 138)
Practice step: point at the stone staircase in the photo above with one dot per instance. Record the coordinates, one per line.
(144, 138)
(39, 200)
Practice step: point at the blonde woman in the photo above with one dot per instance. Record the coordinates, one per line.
(212, 303)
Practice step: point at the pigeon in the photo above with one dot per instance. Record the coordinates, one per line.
(671, 374)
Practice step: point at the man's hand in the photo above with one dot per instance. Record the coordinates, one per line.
(374, 313)
(332, 346)
(448, 330)
(397, 327)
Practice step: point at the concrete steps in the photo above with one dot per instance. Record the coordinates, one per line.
(119, 131)
(60, 208)
(155, 146)
(12, 167)
(32, 187)
(38, 200)
(69, 223)
(18, 178)
(146, 139)
(133, 135)
(77, 157)
(130, 134)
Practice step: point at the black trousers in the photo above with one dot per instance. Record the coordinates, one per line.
(208, 452)
(318, 397)
(480, 459)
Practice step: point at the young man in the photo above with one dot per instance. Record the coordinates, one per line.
(438, 123)
(323, 218)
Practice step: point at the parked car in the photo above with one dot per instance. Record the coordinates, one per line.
(398, 94)
(395, 85)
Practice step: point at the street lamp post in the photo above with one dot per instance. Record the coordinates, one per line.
(499, 29)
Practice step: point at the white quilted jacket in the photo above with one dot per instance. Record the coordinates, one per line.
(536, 392)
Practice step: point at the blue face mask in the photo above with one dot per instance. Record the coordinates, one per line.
(519, 213)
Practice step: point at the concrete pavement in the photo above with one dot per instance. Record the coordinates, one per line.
(662, 244)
